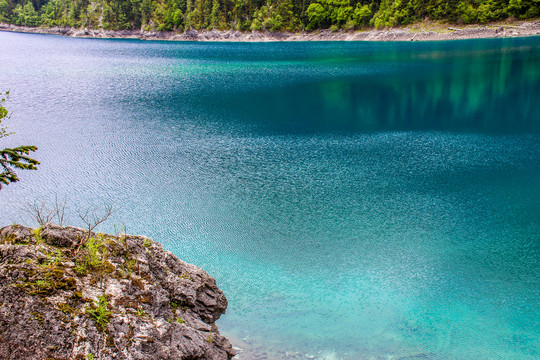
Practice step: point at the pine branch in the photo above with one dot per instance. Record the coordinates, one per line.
(15, 158)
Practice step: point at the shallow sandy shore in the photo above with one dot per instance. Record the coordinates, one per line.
(248, 348)
(417, 32)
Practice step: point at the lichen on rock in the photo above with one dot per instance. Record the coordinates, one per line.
(66, 295)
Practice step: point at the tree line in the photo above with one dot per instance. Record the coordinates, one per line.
(259, 15)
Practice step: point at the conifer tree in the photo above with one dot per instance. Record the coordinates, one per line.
(13, 158)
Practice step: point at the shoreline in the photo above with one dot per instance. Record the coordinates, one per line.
(415, 32)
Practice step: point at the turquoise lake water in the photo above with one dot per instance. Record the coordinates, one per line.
(353, 200)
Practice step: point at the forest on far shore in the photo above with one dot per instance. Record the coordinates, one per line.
(258, 15)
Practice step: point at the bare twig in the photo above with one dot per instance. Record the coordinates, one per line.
(43, 214)
(60, 207)
(92, 217)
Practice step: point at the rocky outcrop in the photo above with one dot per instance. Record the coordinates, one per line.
(66, 295)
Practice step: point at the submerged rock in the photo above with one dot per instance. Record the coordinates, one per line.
(64, 295)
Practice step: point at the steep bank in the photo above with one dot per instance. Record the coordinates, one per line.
(113, 297)
(417, 32)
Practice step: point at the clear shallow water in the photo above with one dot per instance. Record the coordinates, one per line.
(353, 200)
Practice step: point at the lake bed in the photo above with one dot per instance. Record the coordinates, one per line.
(352, 200)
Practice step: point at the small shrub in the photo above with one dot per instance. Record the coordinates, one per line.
(54, 259)
(81, 268)
(95, 249)
(147, 243)
(94, 256)
(37, 235)
(100, 313)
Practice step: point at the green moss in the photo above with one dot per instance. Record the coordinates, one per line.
(179, 303)
(130, 335)
(185, 276)
(81, 268)
(10, 239)
(108, 267)
(46, 282)
(127, 268)
(76, 296)
(110, 342)
(174, 304)
(54, 258)
(38, 316)
(138, 282)
(146, 298)
(141, 313)
(67, 309)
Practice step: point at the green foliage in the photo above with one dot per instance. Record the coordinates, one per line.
(394, 13)
(95, 249)
(4, 11)
(94, 256)
(37, 235)
(215, 15)
(26, 15)
(100, 313)
(46, 281)
(38, 316)
(13, 158)
(147, 243)
(318, 16)
(55, 258)
(259, 15)
(275, 16)
(362, 15)
(333, 13)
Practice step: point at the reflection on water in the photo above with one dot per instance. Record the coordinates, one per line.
(353, 200)
(443, 90)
